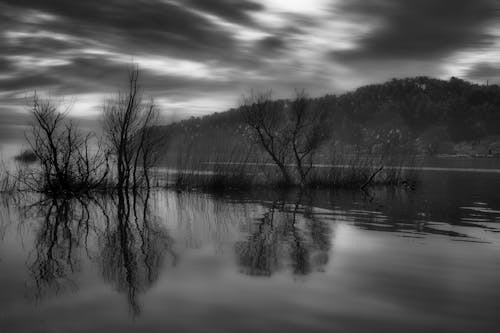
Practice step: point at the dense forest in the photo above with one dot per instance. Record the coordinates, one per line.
(422, 115)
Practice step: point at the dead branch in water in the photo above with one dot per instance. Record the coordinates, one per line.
(368, 182)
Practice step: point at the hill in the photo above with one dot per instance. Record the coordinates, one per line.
(420, 114)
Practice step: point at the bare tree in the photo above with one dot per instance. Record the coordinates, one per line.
(128, 121)
(268, 128)
(68, 163)
(309, 131)
(290, 133)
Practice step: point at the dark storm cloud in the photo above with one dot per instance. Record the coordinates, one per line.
(418, 29)
(36, 46)
(271, 44)
(10, 116)
(45, 45)
(87, 74)
(5, 65)
(131, 26)
(23, 82)
(282, 39)
(93, 74)
(90, 73)
(485, 71)
(12, 124)
(237, 11)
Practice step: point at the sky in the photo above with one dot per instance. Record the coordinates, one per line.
(199, 56)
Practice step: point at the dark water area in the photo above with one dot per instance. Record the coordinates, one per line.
(390, 260)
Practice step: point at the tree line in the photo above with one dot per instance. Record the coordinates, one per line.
(401, 114)
(291, 134)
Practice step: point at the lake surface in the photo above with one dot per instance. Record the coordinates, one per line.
(391, 260)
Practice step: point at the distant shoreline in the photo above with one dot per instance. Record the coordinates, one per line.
(416, 168)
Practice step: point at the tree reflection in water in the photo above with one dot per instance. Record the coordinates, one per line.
(286, 236)
(62, 233)
(133, 248)
(129, 244)
(130, 240)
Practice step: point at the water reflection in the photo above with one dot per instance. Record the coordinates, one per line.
(286, 236)
(409, 213)
(119, 251)
(129, 246)
(130, 240)
(133, 246)
(61, 235)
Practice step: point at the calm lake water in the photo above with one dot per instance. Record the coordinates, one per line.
(393, 260)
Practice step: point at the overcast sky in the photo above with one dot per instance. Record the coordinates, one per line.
(199, 56)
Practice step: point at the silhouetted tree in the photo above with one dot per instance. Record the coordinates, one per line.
(68, 164)
(309, 130)
(128, 120)
(288, 133)
(265, 118)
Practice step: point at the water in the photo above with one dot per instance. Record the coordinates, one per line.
(396, 260)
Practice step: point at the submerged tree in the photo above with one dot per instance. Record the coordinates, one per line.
(128, 121)
(69, 163)
(265, 118)
(290, 133)
(308, 131)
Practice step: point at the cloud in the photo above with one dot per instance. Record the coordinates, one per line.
(417, 29)
(484, 71)
(5, 65)
(12, 124)
(271, 45)
(136, 27)
(237, 11)
(86, 47)
(27, 82)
